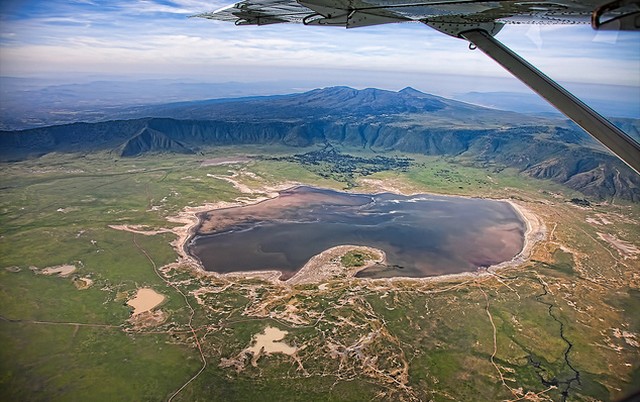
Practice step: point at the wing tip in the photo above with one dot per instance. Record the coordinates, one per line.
(212, 15)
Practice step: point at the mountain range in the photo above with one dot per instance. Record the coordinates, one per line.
(379, 120)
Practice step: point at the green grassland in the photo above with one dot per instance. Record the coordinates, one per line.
(562, 312)
(355, 258)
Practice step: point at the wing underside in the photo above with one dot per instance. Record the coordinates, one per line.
(260, 12)
(619, 14)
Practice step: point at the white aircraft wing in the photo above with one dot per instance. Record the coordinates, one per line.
(620, 14)
(476, 21)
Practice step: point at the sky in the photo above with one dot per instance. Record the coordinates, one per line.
(86, 39)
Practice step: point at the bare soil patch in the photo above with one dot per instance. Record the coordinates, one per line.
(225, 161)
(269, 341)
(140, 229)
(82, 283)
(626, 249)
(60, 270)
(145, 300)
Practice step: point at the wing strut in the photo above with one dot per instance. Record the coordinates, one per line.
(593, 123)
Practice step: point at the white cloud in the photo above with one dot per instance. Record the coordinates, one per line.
(125, 37)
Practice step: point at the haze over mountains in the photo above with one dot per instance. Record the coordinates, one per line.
(373, 119)
(28, 103)
(38, 102)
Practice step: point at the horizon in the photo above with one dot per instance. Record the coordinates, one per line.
(37, 102)
(83, 41)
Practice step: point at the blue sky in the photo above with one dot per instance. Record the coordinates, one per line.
(155, 39)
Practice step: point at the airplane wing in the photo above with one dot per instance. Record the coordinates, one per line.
(476, 21)
(619, 14)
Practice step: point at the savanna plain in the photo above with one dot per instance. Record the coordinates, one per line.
(86, 240)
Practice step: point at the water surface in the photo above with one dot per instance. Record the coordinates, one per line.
(422, 235)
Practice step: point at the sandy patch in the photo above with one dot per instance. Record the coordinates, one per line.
(600, 219)
(140, 229)
(385, 186)
(225, 161)
(145, 300)
(82, 283)
(235, 180)
(269, 341)
(60, 270)
(625, 248)
(629, 337)
(269, 276)
(243, 188)
(604, 219)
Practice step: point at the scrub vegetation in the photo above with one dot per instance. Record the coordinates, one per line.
(355, 258)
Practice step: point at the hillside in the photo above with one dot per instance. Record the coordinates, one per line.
(377, 120)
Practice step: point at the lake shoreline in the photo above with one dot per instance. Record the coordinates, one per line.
(191, 216)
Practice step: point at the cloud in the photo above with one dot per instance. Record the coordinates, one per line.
(125, 37)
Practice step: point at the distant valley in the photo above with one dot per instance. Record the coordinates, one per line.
(379, 121)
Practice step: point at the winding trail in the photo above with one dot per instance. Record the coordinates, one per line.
(186, 300)
(495, 339)
(76, 324)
